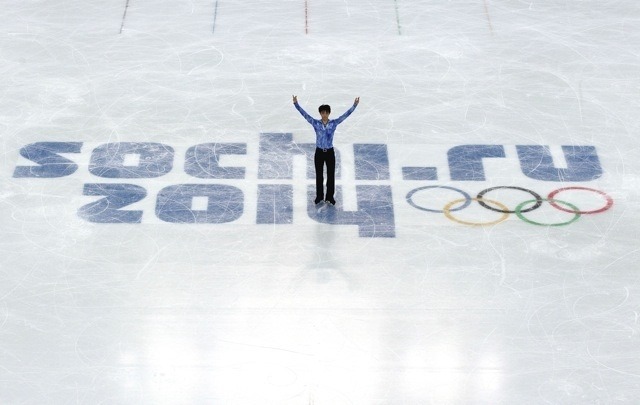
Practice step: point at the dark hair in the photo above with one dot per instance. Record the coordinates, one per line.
(324, 107)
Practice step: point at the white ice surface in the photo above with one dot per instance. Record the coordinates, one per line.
(311, 313)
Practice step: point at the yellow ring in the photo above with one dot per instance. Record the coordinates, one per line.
(447, 212)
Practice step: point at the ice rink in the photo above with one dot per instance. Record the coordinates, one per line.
(159, 244)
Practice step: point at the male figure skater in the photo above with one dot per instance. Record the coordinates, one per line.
(325, 128)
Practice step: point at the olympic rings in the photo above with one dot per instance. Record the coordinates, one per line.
(575, 211)
(596, 211)
(467, 198)
(505, 212)
(520, 209)
(535, 195)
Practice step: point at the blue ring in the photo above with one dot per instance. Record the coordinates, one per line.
(467, 198)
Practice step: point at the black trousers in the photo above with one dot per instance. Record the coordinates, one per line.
(322, 157)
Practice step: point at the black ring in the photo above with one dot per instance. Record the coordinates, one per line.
(535, 195)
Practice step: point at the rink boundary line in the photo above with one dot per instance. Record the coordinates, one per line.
(124, 16)
(395, 2)
(215, 17)
(306, 17)
(488, 16)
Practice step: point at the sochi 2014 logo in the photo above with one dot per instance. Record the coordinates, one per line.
(216, 195)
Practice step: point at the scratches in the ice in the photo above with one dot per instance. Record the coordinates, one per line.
(633, 252)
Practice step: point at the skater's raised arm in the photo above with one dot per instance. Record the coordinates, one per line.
(349, 111)
(303, 112)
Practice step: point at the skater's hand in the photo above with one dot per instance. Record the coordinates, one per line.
(356, 101)
(295, 99)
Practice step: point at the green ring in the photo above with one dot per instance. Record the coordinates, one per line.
(573, 207)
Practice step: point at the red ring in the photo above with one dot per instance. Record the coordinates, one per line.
(605, 195)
